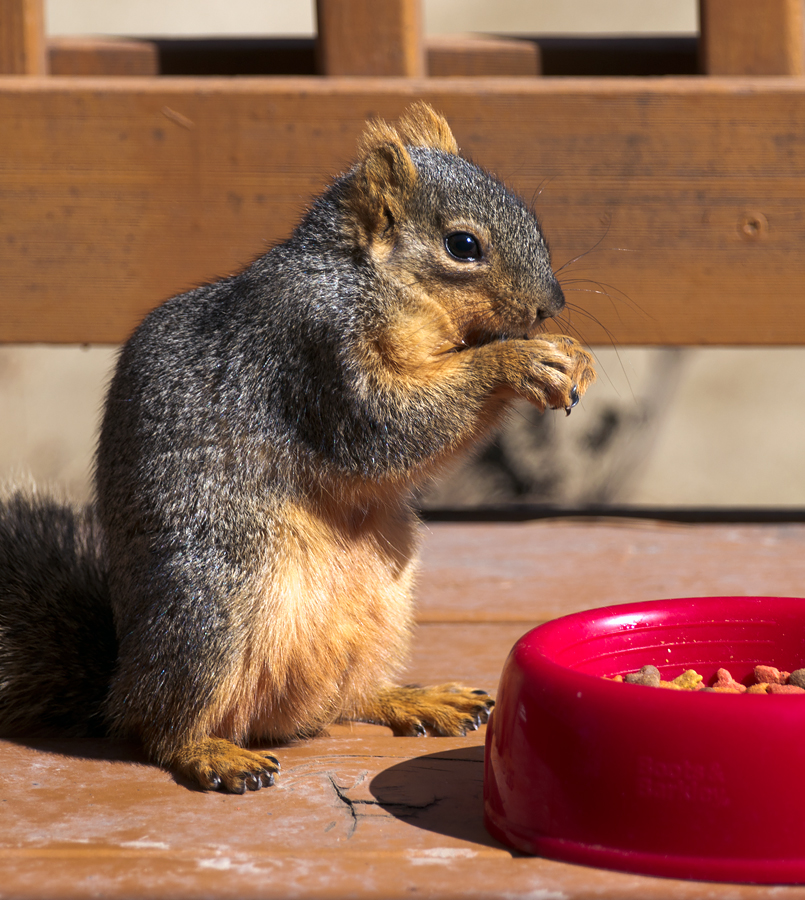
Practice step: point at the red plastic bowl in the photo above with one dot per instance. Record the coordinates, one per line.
(684, 784)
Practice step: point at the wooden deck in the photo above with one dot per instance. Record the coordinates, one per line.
(360, 813)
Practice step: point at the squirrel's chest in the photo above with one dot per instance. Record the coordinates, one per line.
(329, 622)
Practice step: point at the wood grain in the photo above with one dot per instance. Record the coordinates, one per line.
(364, 37)
(22, 37)
(674, 207)
(529, 572)
(101, 56)
(752, 37)
(476, 56)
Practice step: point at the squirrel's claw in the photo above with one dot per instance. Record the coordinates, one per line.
(255, 780)
(574, 400)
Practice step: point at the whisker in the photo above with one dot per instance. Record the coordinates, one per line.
(594, 247)
(593, 318)
(539, 189)
(615, 346)
(607, 290)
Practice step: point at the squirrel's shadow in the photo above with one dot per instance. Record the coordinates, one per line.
(101, 748)
(440, 792)
(84, 748)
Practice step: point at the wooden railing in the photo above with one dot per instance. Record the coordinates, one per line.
(683, 197)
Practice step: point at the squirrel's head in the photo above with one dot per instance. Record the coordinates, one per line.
(440, 225)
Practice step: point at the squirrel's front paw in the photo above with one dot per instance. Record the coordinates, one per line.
(581, 373)
(558, 372)
(219, 765)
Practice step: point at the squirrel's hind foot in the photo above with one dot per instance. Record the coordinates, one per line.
(219, 765)
(447, 710)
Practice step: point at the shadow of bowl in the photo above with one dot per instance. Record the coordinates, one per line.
(439, 792)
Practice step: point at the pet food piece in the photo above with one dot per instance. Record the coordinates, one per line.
(761, 687)
(797, 677)
(648, 675)
(770, 675)
(784, 689)
(689, 680)
(726, 684)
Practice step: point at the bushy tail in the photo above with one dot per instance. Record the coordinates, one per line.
(57, 637)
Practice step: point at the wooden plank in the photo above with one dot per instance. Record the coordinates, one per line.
(679, 200)
(22, 37)
(363, 37)
(101, 56)
(529, 572)
(752, 37)
(451, 55)
(359, 815)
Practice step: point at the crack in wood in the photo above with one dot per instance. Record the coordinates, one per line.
(400, 810)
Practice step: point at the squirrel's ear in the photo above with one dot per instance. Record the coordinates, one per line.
(422, 126)
(382, 183)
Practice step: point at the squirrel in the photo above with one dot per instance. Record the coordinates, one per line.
(243, 575)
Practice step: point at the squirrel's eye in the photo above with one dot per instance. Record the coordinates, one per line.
(463, 246)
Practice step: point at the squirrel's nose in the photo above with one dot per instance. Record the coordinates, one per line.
(553, 303)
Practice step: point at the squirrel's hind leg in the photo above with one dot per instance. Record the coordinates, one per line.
(447, 710)
(218, 764)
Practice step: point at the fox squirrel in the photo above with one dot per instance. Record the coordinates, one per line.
(244, 574)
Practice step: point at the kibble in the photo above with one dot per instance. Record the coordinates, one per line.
(770, 675)
(797, 677)
(689, 680)
(648, 675)
(784, 689)
(727, 684)
(767, 680)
